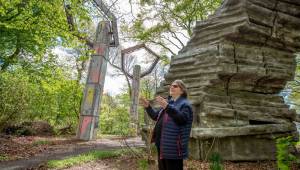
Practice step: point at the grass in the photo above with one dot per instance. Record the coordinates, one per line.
(3, 157)
(142, 164)
(84, 158)
(41, 142)
(215, 162)
(108, 136)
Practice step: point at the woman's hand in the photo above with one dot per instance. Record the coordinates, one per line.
(161, 101)
(144, 102)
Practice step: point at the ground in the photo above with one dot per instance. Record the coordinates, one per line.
(34, 151)
(14, 148)
(125, 163)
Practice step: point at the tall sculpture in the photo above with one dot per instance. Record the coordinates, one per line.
(235, 65)
(90, 107)
(106, 37)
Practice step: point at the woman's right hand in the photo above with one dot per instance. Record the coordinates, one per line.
(144, 102)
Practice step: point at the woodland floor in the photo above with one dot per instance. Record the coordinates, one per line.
(32, 152)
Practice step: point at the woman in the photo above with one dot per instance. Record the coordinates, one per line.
(173, 126)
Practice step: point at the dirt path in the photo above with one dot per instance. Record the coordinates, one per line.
(63, 151)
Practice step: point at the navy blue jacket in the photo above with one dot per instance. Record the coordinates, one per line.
(176, 128)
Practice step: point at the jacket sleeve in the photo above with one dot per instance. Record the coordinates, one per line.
(152, 113)
(181, 116)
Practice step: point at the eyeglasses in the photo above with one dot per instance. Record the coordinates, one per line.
(174, 86)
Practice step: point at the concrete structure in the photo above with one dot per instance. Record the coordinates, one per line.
(235, 66)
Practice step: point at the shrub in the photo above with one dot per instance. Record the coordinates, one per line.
(215, 162)
(283, 155)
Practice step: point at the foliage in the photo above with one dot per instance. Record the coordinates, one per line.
(168, 23)
(215, 162)
(14, 91)
(29, 27)
(148, 88)
(33, 84)
(293, 88)
(41, 142)
(114, 116)
(39, 91)
(283, 156)
(90, 156)
(143, 164)
(83, 158)
(3, 157)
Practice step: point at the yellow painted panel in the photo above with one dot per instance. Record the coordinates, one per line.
(90, 96)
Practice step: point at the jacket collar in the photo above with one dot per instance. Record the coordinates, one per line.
(171, 101)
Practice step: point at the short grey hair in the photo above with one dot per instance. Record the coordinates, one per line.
(183, 88)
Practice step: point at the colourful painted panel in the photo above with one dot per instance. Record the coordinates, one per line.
(100, 49)
(90, 96)
(94, 70)
(85, 127)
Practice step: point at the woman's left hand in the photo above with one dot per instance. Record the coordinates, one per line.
(161, 101)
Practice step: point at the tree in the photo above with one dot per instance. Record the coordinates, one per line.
(114, 117)
(29, 27)
(41, 90)
(168, 23)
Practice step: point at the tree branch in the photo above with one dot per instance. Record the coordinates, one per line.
(72, 27)
(11, 59)
(162, 36)
(163, 46)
